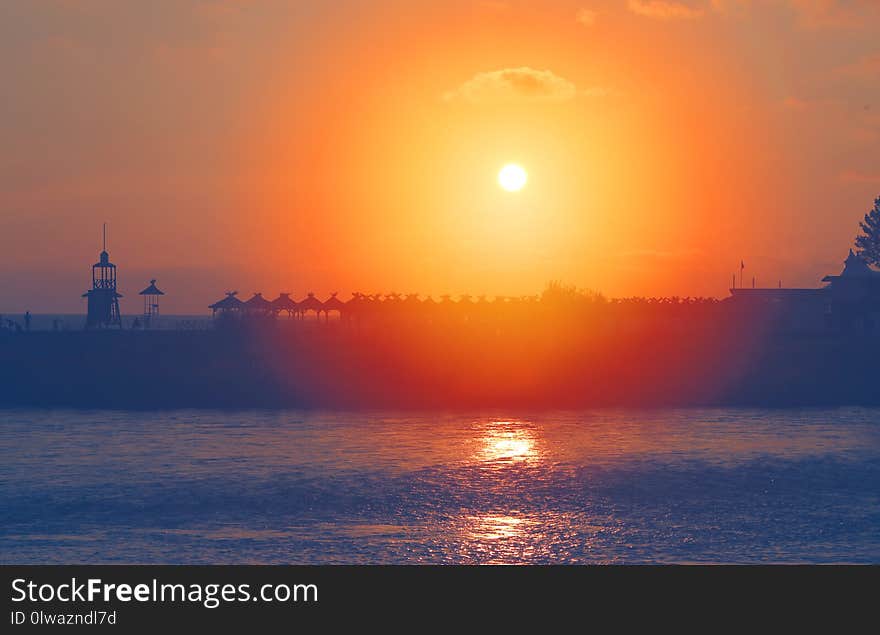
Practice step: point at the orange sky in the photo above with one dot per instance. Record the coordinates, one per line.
(263, 145)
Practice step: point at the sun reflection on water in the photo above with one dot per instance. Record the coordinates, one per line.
(505, 452)
(507, 443)
(497, 527)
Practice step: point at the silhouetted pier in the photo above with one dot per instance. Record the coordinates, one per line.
(563, 348)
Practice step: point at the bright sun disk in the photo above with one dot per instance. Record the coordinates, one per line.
(512, 177)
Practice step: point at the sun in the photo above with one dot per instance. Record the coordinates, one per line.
(512, 177)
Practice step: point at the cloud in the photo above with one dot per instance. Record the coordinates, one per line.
(866, 67)
(808, 14)
(795, 103)
(586, 17)
(660, 254)
(856, 176)
(514, 84)
(828, 13)
(495, 5)
(734, 6)
(221, 8)
(664, 9)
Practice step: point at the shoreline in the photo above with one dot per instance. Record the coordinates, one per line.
(336, 367)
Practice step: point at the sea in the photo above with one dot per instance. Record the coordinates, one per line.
(579, 487)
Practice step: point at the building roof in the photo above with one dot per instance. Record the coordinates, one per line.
(152, 289)
(104, 260)
(776, 293)
(854, 267)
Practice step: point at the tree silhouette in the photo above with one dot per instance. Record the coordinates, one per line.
(868, 243)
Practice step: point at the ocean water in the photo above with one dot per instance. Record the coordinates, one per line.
(605, 486)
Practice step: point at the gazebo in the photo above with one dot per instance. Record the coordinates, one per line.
(311, 303)
(355, 306)
(284, 303)
(333, 304)
(151, 302)
(228, 306)
(852, 299)
(259, 306)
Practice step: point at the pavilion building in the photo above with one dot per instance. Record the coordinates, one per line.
(848, 303)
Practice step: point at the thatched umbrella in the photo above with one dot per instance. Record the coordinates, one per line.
(333, 304)
(284, 303)
(355, 305)
(311, 303)
(258, 305)
(229, 304)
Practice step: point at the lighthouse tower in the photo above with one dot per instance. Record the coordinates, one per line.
(103, 299)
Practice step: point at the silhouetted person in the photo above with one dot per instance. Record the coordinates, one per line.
(136, 324)
(27, 320)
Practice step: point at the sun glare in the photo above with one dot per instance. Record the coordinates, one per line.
(512, 177)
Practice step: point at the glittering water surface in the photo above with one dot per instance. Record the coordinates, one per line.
(194, 486)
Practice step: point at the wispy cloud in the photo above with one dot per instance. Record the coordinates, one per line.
(514, 84)
(866, 67)
(818, 14)
(725, 6)
(857, 176)
(810, 14)
(660, 254)
(665, 9)
(221, 8)
(795, 103)
(495, 5)
(586, 17)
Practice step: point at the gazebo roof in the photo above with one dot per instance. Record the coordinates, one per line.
(311, 303)
(152, 289)
(230, 302)
(284, 302)
(333, 303)
(258, 302)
